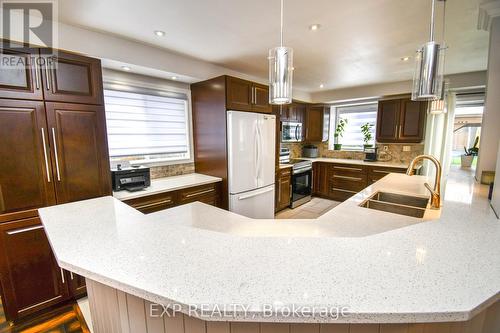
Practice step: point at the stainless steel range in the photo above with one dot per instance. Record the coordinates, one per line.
(301, 181)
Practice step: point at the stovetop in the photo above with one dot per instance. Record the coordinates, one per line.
(299, 163)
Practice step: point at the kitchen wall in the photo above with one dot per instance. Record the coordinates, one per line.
(172, 170)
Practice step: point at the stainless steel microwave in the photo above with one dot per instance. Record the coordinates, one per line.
(291, 131)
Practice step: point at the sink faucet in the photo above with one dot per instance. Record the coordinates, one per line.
(436, 192)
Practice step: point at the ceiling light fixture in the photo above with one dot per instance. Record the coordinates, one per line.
(405, 58)
(280, 71)
(126, 68)
(322, 86)
(174, 78)
(429, 66)
(159, 33)
(314, 27)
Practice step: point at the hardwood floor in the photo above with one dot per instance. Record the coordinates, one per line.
(65, 319)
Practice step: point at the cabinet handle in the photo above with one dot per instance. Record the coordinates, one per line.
(19, 231)
(71, 275)
(380, 171)
(349, 178)
(37, 75)
(153, 204)
(279, 191)
(347, 168)
(47, 73)
(199, 193)
(342, 190)
(62, 275)
(254, 98)
(45, 154)
(55, 153)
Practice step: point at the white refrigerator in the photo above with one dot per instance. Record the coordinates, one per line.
(251, 141)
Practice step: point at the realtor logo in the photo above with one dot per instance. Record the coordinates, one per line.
(30, 22)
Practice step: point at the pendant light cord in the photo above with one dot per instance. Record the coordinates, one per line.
(281, 25)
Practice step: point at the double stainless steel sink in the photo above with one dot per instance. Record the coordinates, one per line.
(397, 204)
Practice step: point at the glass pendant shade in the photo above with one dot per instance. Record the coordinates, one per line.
(437, 107)
(428, 76)
(280, 75)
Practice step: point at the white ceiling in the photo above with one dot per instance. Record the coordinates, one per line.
(360, 41)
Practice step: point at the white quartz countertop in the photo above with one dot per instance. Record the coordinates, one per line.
(381, 267)
(166, 184)
(387, 164)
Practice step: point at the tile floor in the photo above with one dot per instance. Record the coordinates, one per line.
(310, 210)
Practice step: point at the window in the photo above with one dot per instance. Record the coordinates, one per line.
(356, 116)
(144, 127)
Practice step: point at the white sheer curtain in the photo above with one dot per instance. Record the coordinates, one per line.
(439, 139)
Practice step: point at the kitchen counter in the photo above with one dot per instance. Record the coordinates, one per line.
(168, 184)
(384, 268)
(358, 162)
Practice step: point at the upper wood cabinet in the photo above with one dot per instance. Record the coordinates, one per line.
(293, 112)
(19, 74)
(72, 78)
(78, 173)
(26, 180)
(401, 121)
(317, 118)
(242, 95)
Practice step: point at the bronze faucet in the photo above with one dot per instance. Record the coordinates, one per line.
(436, 192)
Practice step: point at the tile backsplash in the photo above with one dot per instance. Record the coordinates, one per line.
(393, 154)
(171, 170)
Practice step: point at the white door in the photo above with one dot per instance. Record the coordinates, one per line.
(257, 204)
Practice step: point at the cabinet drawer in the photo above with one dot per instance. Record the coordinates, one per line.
(351, 183)
(377, 173)
(203, 193)
(284, 173)
(348, 170)
(153, 203)
(339, 194)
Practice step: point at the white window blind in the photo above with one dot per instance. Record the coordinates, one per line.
(356, 116)
(145, 126)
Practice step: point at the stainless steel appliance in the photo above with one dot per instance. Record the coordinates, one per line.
(301, 181)
(284, 155)
(370, 154)
(291, 131)
(130, 178)
(310, 151)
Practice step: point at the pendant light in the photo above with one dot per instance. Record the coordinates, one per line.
(429, 67)
(280, 71)
(439, 106)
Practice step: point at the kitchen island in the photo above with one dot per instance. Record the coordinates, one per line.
(351, 269)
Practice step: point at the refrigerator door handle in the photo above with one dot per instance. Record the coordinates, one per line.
(244, 197)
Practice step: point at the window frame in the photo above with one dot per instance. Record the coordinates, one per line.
(155, 90)
(334, 112)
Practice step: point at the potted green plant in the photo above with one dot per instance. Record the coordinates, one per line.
(339, 132)
(367, 134)
(467, 158)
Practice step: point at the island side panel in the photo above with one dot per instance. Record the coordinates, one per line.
(114, 311)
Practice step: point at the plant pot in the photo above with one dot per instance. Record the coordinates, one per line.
(367, 146)
(466, 161)
(337, 146)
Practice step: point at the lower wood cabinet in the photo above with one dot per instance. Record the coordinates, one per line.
(209, 194)
(320, 179)
(283, 188)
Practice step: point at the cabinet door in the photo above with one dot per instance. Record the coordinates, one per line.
(239, 94)
(19, 74)
(26, 180)
(204, 193)
(30, 276)
(79, 151)
(285, 193)
(314, 124)
(153, 203)
(261, 99)
(388, 120)
(320, 178)
(412, 121)
(76, 285)
(72, 78)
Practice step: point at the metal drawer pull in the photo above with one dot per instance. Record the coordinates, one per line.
(341, 190)
(71, 275)
(350, 178)
(37, 75)
(199, 193)
(45, 154)
(168, 201)
(47, 73)
(19, 231)
(348, 168)
(55, 153)
(380, 171)
(62, 276)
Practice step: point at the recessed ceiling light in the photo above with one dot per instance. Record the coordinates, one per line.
(159, 33)
(126, 68)
(405, 58)
(314, 27)
(322, 86)
(174, 77)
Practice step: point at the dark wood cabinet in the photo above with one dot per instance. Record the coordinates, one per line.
(20, 75)
(26, 180)
(315, 123)
(76, 285)
(320, 179)
(283, 191)
(72, 78)
(243, 95)
(293, 112)
(376, 173)
(31, 278)
(78, 173)
(401, 121)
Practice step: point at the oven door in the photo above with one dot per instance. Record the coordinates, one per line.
(301, 185)
(291, 132)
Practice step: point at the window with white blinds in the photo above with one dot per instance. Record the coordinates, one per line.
(356, 116)
(147, 127)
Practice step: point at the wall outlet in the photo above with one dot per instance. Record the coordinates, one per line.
(406, 148)
(386, 148)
